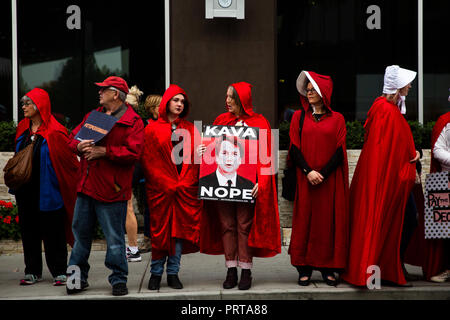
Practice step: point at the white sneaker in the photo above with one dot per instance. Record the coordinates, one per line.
(133, 257)
(441, 277)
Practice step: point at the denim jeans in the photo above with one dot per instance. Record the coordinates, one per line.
(173, 262)
(111, 217)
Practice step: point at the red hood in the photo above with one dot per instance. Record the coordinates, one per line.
(325, 85)
(244, 91)
(42, 101)
(172, 91)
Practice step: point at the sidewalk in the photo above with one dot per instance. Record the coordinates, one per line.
(202, 276)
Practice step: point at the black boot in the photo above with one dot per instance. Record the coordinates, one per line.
(246, 279)
(174, 282)
(231, 279)
(154, 282)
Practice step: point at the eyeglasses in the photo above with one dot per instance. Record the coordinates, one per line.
(312, 90)
(108, 88)
(26, 103)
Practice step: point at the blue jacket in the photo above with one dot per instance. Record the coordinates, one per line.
(50, 198)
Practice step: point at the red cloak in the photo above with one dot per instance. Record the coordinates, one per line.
(428, 253)
(63, 160)
(320, 217)
(381, 185)
(264, 238)
(175, 210)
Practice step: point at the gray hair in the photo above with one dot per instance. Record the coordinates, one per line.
(122, 95)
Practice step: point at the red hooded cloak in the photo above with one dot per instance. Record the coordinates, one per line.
(264, 238)
(175, 210)
(381, 185)
(428, 253)
(63, 160)
(320, 218)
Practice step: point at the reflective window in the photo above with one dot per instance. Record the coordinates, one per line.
(341, 39)
(5, 61)
(436, 59)
(115, 38)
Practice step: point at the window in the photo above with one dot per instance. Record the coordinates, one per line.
(116, 38)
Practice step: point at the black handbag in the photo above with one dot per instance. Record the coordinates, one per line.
(289, 181)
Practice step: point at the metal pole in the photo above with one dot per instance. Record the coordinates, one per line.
(167, 40)
(15, 78)
(420, 58)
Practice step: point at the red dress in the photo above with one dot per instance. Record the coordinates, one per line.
(175, 210)
(381, 185)
(63, 160)
(320, 218)
(264, 238)
(428, 253)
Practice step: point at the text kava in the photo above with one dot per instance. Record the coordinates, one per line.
(241, 132)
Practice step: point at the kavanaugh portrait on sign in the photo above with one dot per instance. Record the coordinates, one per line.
(228, 168)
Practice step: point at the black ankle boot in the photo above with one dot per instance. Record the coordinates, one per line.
(246, 279)
(174, 282)
(154, 282)
(231, 279)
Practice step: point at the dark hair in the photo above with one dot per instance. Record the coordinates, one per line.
(233, 140)
(235, 97)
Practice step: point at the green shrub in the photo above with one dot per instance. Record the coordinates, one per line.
(284, 135)
(355, 134)
(7, 135)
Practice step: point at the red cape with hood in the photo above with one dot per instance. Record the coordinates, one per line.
(63, 160)
(264, 238)
(428, 253)
(321, 216)
(380, 188)
(175, 210)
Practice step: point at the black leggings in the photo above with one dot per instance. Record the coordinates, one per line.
(48, 226)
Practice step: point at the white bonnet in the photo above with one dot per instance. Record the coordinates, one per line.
(396, 78)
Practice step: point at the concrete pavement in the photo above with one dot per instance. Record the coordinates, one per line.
(202, 276)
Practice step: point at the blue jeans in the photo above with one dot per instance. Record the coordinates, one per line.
(111, 217)
(173, 262)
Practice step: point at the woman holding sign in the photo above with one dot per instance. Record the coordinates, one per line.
(171, 185)
(239, 230)
(319, 237)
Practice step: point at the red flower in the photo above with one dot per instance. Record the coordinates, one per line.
(9, 205)
(7, 220)
(17, 219)
(2, 203)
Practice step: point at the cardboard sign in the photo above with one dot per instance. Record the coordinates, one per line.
(437, 206)
(228, 168)
(96, 126)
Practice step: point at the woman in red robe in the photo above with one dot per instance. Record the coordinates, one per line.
(319, 237)
(47, 201)
(242, 231)
(433, 254)
(171, 187)
(381, 185)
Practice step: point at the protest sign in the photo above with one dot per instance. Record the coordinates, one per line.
(228, 168)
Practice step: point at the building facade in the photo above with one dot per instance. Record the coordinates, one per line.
(66, 46)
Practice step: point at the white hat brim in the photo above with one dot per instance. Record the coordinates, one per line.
(405, 76)
(301, 83)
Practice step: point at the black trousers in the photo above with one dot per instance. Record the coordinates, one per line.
(48, 226)
(409, 224)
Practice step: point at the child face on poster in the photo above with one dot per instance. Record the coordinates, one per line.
(228, 158)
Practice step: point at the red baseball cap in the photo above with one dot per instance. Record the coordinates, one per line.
(116, 82)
